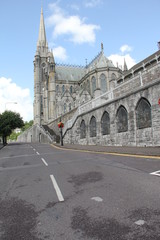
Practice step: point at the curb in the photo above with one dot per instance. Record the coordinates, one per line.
(107, 153)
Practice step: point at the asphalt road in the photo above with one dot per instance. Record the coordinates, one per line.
(54, 194)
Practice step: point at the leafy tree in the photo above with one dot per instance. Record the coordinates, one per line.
(14, 135)
(8, 122)
(27, 125)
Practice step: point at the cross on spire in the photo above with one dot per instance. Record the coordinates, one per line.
(101, 47)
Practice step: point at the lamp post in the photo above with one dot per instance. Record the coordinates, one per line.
(61, 125)
(9, 103)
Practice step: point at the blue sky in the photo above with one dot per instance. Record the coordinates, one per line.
(74, 30)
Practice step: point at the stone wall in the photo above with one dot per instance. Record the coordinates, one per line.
(126, 96)
(35, 134)
(64, 118)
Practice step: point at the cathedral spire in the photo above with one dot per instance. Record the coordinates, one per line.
(125, 66)
(42, 33)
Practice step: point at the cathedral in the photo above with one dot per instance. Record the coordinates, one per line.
(99, 104)
(60, 88)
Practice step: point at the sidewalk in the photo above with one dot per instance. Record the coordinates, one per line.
(1, 145)
(145, 151)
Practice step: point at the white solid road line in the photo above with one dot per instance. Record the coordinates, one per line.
(44, 162)
(58, 191)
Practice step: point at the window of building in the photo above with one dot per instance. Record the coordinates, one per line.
(143, 114)
(103, 83)
(52, 67)
(70, 107)
(82, 129)
(88, 86)
(93, 84)
(63, 89)
(122, 120)
(57, 88)
(93, 129)
(113, 76)
(64, 107)
(71, 89)
(41, 104)
(105, 124)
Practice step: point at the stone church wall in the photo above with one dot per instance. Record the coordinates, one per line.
(64, 118)
(149, 136)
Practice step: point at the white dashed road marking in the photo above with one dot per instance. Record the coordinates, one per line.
(37, 153)
(44, 162)
(157, 173)
(97, 199)
(57, 189)
(140, 222)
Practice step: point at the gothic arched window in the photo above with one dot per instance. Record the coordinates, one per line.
(92, 127)
(122, 120)
(63, 88)
(103, 83)
(41, 104)
(105, 124)
(88, 86)
(71, 89)
(52, 67)
(70, 107)
(82, 129)
(143, 114)
(113, 76)
(93, 84)
(64, 107)
(57, 88)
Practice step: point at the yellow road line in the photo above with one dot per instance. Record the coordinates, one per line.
(107, 153)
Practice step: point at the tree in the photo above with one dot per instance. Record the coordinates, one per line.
(8, 122)
(14, 135)
(27, 125)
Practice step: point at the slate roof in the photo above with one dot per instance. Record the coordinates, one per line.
(69, 73)
(76, 73)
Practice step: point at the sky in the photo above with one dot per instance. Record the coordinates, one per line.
(75, 30)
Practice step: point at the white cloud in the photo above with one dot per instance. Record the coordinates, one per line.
(60, 53)
(75, 7)
(15, 98)
(73, 26)
(118, 58)
(92, 3)
(125, 48)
